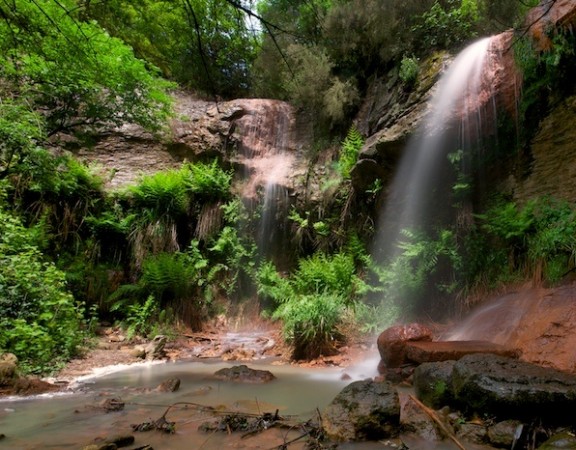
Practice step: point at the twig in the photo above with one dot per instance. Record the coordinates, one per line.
(435, 418)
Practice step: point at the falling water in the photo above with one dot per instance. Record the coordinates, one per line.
(266, 152)
(462, 109)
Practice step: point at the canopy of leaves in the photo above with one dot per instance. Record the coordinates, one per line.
(205, 45)
(73, 72)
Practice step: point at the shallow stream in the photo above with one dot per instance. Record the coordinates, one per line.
(72, 419)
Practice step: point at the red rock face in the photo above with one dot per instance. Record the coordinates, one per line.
(550, 12)
(502, 76)
(392, 342)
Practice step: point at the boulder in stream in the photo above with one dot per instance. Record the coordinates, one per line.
(515, 389)
(153, 350)
(363, 410)
(392, 342)
(244, 374)
(500, 386)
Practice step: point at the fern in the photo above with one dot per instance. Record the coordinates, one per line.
(351, 147)
(208, 180)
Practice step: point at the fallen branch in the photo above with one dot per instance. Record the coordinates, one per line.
(438, 421)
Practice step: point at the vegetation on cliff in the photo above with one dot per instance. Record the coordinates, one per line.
(162, 251)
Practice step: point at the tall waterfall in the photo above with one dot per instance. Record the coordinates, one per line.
(419, 197)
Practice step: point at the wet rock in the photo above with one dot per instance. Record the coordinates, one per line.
(473, 433)
(392, 342)
(244, 374)
(110, 405)
(105, 446)
(433, 383)
(169, 385)
(505, 434)
(421, 352)
(153, 350)
(513, 389)
(238, 354)
(363, 410)
(121, 440)
(416, 421)
(560, 441)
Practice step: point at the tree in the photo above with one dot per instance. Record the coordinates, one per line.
(205, 45)
(74, 73)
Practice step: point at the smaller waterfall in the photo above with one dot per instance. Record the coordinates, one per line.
(266, 152)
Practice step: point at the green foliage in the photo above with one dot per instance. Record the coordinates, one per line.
(415, 269)
(234, 259)
(351, 147)
(271, 285)
(408, 71)
(328, 273)
(445, 26)
(73, 71)
(310, 323)
(164, 204)
(56, 193)
(547, 75)
(209, 181)
(373, 318)
(164, 194)
(311, 302)
(210, 43)
(539, 238)
(39, 320)
(20, 130)
(174, 280)
(461, 188)
(140, 317)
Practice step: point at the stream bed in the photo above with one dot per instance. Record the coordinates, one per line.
(73, 419)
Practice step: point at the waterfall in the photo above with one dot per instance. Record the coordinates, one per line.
(420, 195)
(265, 151)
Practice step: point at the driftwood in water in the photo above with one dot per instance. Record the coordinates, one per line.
(438, 422)
(247, 423)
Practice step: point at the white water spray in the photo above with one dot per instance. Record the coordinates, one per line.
(413, 193)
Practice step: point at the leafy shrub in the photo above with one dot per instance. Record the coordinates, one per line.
(323, 273)
(39, 320)
(311, 302)
(209, 180)
(310, 323)
(414, 270)
(538, 238)
(444, 27)
(373, 318)
(164, 194)
(174, 280)
(408, 71)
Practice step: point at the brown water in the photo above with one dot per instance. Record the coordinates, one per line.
(69, 421)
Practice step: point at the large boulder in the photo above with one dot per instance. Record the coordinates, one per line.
(514, 389)
(363, 410)
(433, 383)
(421, 352)
(392, 342)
